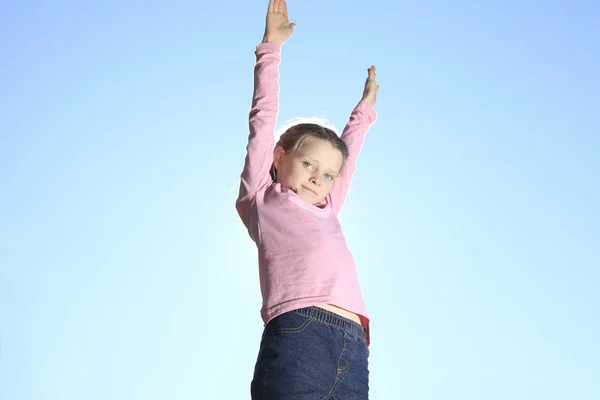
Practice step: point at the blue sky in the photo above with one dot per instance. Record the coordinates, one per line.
(473, 218)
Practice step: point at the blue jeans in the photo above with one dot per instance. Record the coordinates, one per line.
(312, 354)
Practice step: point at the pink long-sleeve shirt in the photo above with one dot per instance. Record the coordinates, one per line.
(302, 252)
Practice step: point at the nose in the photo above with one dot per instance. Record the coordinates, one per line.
(315, 180)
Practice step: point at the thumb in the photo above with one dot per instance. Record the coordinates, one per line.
(292, 25)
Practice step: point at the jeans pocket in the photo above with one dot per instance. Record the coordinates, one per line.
(289, 323)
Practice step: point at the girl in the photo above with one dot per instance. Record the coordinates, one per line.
(314, 345)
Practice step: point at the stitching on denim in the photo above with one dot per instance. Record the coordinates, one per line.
(334, 388)
(341, 328)
(299, 329)
(338, 375)
(350, 357)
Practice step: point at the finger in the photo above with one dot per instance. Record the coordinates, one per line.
(372, 72)
(277, 7)
(271, 6)
(284, 8)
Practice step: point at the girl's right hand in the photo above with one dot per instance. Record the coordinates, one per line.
(278, 28)
(371, 87)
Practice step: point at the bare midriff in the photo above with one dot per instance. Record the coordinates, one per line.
(341, 312)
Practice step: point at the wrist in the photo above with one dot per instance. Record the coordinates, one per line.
(369, 100)
(267, 39)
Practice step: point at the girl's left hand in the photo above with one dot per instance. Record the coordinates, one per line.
(278, 28)
(371, 87)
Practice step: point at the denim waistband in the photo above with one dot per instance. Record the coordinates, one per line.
(331, 318)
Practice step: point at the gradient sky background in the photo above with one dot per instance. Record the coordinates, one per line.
(474, 217)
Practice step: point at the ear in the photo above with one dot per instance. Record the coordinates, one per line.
(278, 156)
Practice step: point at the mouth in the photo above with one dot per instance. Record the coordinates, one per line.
(309, 189)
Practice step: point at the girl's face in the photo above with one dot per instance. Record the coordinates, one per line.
(311, 170)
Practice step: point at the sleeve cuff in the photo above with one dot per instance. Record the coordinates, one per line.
(366, 109)
(268, 48)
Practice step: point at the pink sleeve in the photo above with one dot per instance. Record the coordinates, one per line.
(353, 135)
(262, 120)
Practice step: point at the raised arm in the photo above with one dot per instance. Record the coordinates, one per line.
(353, 135)
(263, 114)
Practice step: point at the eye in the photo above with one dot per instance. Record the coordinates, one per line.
(329, 177)
(306, 164)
